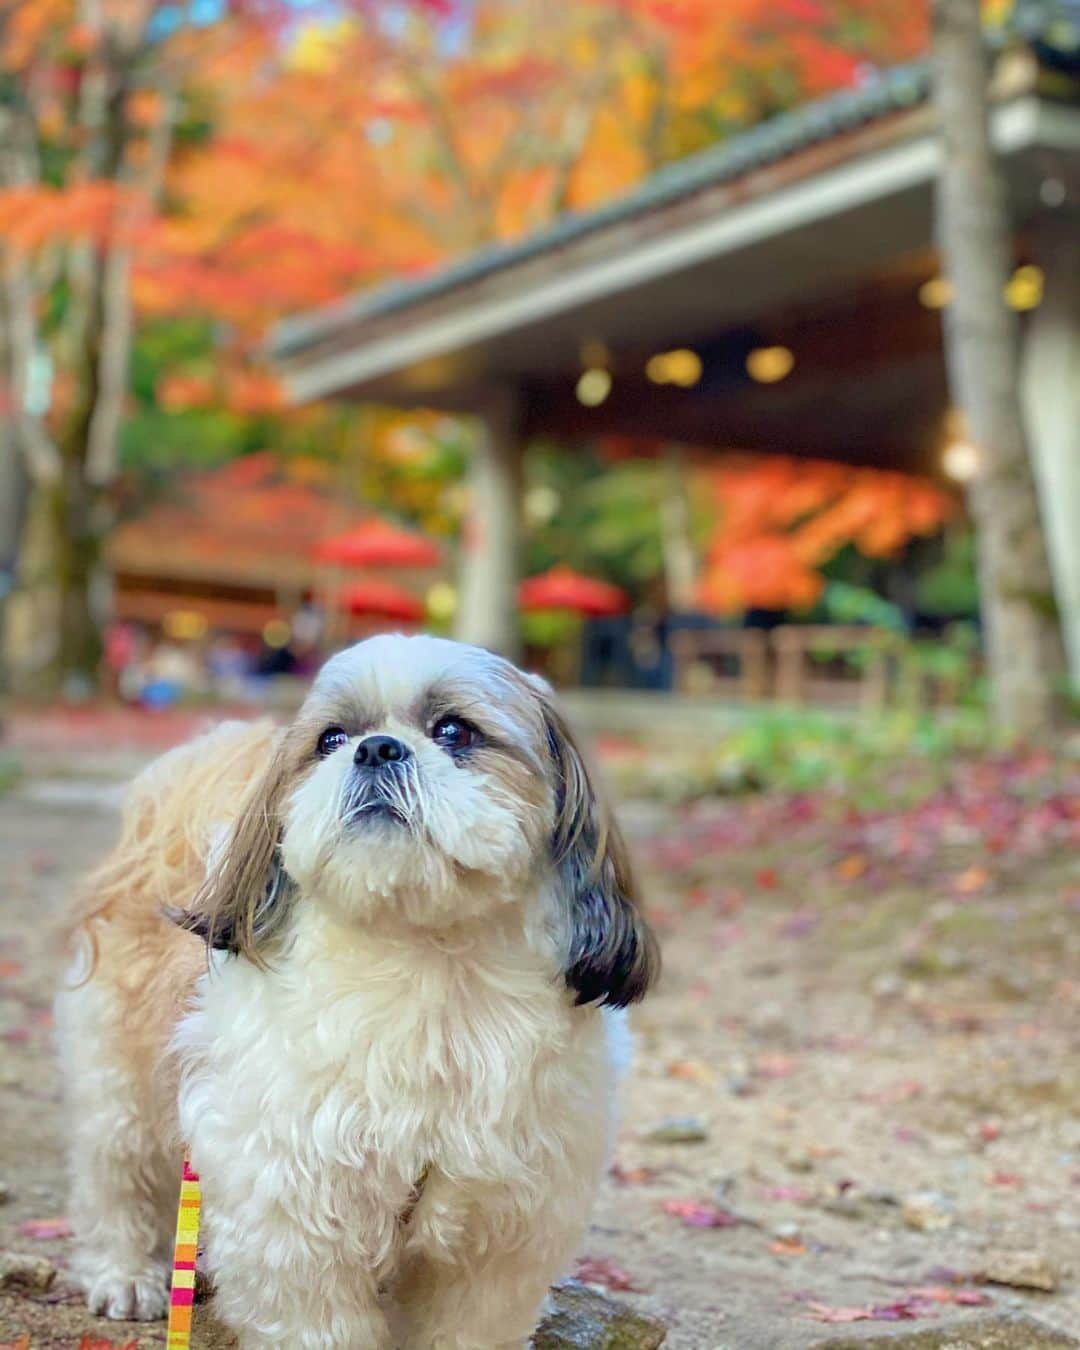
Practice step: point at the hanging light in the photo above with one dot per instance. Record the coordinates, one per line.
(593, 386)
(769, 365)
(960, 460)
(681, 366)
(1024, 290)
(935, 293)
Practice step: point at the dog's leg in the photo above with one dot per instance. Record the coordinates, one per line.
(123, 1185)
(489, 1297)
(282, 1289)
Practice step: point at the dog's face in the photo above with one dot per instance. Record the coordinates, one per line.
(432, 782)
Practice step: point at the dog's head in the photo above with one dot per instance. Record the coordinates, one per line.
(432, 782)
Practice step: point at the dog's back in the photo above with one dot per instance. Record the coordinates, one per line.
(129, 973)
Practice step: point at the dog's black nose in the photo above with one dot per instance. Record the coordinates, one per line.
(374, 751)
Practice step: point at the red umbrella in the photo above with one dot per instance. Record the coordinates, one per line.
(375, 598)
(377, 543)
(563, 588)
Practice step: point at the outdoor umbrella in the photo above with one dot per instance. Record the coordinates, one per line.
(563, 588)
(378, 543)
(374, 598)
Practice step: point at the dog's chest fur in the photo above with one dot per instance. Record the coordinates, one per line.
(330, 1085)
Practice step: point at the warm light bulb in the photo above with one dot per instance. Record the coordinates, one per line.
(935, 293)
(681, 366)
(768, 365)
(960, 461)
(1025, 288)
(593, 387)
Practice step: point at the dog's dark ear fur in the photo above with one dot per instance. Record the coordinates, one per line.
(247, 894)
(612, 956)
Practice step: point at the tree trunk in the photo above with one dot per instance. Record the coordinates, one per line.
(1023, 638)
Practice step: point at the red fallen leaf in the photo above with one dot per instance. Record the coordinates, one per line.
(696, 1215)
(796, 1193)
(990, 1130)
(938, 1293)
(904, 1310)
(45, 1229)
(23, 1343)
(767, 878)
(7, 969)
(597, 1270)
(96, 1343)
(787, 1248)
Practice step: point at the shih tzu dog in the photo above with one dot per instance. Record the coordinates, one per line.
(395, 1072)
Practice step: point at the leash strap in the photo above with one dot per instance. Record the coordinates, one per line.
(182, 1294)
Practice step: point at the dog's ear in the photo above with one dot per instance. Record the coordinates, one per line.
(612, 956)
(247, 894)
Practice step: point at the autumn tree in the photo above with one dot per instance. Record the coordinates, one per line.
(256, 161)
(1023, 636)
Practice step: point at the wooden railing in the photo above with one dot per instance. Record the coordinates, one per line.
(795, 663)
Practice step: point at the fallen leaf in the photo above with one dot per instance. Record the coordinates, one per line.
(796, 1193)
(45, 1230)
(697, 1215)
(971, 880)
(599, 1271)
(786, 1248)
(767, 878)
(632, 1176)
(822, 1312)
(691, 1069)
(851, 867)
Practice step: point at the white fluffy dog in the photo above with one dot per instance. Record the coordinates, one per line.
(396, 1076)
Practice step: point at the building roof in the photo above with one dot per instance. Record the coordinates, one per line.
(1052, 27)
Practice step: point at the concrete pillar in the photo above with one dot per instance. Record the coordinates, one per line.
(487, 591)
(1050, 385)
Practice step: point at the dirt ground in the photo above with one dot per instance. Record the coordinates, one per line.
(872, 1023)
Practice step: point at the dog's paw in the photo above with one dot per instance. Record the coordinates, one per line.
(129, 1298)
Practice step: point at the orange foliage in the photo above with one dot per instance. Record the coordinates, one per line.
(781, 520)
(306, 155)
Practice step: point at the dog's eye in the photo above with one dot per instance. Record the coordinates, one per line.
(333, 738)
(453, 733)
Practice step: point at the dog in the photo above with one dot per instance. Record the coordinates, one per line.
(370, 969)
